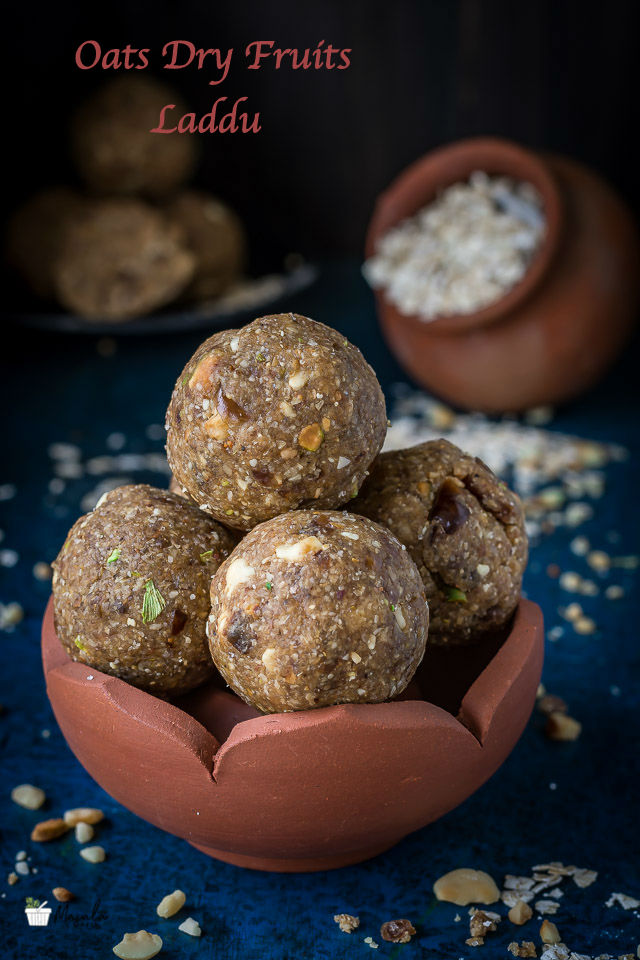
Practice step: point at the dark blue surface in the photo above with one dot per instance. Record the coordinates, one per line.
(63, 390)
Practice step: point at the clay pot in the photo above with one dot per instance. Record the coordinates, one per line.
(301, 791)
(554, 333)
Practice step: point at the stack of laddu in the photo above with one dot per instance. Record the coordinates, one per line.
(289, 555)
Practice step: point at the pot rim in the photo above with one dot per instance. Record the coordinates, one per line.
(420, 183)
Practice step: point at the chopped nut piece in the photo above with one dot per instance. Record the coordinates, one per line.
(84, 832)
(298, 379)
(525, 949)
(171, 904)
(299, 550)
(311, 437)
(549, 704)
(12, 879)
(238, 572)
(481, 923)
(397, 931)
(93, 854)
(560, 726)
(191, 926)
(203, 373)
(346, 922)
(464, 886)
(83, 815)
(49, 830)
(216, 426)
(63, 895)
(138, 946)
(549, 932)
(520, 912)
(28, 796)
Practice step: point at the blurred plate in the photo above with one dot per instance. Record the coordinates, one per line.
(249, 299)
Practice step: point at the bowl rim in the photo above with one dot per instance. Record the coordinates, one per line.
(420, 182)
(474, 718)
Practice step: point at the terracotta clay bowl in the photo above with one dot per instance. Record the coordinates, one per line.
(301, 791)
(553, 334)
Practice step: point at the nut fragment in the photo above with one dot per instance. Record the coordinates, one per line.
(93, 854)
(138, 946)
(548, 703)
(203, 373)
(464, 886)
(481, 923)
(549, 932)
(560, 726)
(63, 895)
(171, 904)
(49, 830)
(12, 878)
(311, 437)
(84, 832)
(216, 426)
(28, 796)
(346, 922)
(299, 550)
(83, 815)
(520, 912)
(190, 926)
(525, 949)
(397, 931)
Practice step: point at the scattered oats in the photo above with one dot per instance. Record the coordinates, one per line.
(42, 570)
(171, 904)
(577, 513)
(584, 878)
(191, 927)
(599, 560)
(570, 581)
(11, 614)
(579, 546)
(116, 441)
(560, 726)
(549, 907)
(9, 558)
(22, 868)
(93, 854)
(584, 625)
(624, 900)
(572, 612)
(346, 922)
(21, 855)
(56, 486)
(614, 592)
(555, 951)
(520, 912)
(555, 633)
(549, 932)
(28, 796)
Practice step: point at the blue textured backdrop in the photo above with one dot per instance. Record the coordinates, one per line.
(64, 390)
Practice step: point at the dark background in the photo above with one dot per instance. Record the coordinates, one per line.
(553, 75)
